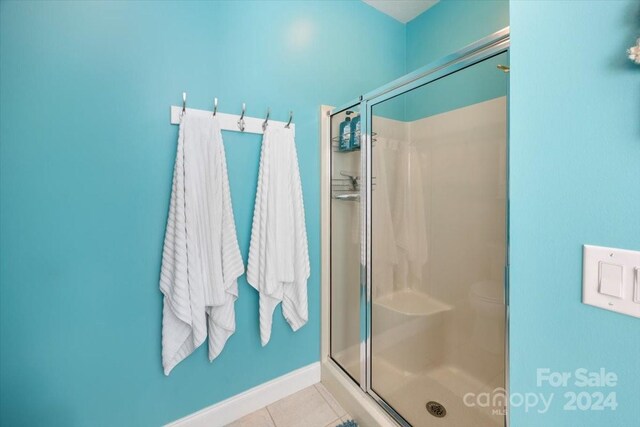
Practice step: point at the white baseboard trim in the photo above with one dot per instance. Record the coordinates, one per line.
(242, 404)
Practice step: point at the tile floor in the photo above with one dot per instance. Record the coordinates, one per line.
(312, 407)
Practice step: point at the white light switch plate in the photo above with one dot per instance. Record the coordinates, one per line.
(611, 279)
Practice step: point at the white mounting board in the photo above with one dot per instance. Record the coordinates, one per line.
(230, 121)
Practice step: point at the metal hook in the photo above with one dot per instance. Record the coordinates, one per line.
(184, 102)
(215, 106)
(241, 121)
(290, 118)
(264, 124)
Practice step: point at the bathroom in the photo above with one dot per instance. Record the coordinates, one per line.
(465, 237)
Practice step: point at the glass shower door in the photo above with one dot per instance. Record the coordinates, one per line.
(438, 248)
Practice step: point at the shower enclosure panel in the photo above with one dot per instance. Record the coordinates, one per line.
(418, 241)
(347, 281)
(438, 242)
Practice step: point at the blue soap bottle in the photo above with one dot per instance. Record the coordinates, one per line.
(345, 134)
(355, 133)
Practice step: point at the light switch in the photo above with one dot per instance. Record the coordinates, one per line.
(610, 279)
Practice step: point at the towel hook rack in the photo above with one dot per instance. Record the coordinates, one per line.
(266, 120)
(215, 106)
(290, 118)
(241, 121)
(184, 102)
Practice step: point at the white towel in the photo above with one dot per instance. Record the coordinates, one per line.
(278, 265)
(201, 259)
(410, 219)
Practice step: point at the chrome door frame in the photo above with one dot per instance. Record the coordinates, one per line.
(494, 44)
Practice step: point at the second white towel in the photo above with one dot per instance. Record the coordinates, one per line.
(278, 265)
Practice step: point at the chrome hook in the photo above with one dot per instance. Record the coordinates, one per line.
(241, 121)
(184, 102)
(290, 118)
(215, 106)
(266, 120)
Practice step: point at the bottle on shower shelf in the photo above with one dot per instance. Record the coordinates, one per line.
(355, 133)
(346, 134)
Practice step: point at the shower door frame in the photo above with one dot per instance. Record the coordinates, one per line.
(495, 44)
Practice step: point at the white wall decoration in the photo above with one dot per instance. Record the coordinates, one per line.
(634, 52)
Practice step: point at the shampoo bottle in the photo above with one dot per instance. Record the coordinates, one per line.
(345, 134)
(355, 132)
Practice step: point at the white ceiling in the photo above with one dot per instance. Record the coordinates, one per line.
(402, 10)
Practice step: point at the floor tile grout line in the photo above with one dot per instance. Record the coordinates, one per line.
(271, 416)
(334, 421)
(325, 399)
(329, 403)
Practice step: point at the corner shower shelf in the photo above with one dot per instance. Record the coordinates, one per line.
(412, 303)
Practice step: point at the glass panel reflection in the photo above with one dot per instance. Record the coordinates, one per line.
(438, 247)
(345, 241)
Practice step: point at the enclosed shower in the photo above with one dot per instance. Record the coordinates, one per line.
(416, 213)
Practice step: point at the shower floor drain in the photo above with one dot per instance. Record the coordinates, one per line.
(436, 409)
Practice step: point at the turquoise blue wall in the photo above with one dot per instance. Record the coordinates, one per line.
(451, 25)
(86, 163)
(468, 86)
(86, 153)
(445, 28)
(575, 179)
